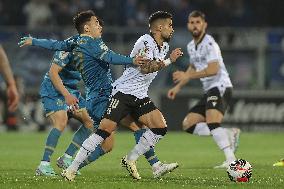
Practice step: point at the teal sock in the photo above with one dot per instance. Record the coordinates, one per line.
(93, 157)
(51, 143)
(149, 155)
(79, 137)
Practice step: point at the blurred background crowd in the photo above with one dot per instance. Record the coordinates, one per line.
(135, 12)
(250, 34)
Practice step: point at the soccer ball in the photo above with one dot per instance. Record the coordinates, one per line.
(239, 170)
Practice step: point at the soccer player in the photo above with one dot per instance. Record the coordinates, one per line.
(6, 72)
(206, 64)
(130, 96)
(95, 72)
(97, 104)
(59, 94)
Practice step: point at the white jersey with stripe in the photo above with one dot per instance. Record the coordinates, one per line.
(204, 53)
(134, 82)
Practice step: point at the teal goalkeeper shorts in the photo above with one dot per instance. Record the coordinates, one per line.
(56, 103)
(97, 106)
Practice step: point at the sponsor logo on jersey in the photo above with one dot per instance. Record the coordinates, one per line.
(143, 51)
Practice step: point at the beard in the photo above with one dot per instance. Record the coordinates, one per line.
(196, 33)
(168, 38)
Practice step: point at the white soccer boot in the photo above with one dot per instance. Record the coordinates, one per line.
(131, 167)
(68, 174)
(224, 165)
(163, 168)
(64, 162)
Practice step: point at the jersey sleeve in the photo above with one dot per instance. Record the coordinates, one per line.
(51, 44)
(212, 52)
(61, 58)
(102, 52)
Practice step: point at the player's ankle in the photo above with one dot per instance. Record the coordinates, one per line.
(155, 165)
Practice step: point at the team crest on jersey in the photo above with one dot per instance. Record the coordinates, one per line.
(103, 46)
(82, 41)
(63, 55)
(145, 43)
(212, 98)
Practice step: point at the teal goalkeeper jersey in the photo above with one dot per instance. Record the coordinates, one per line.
(69, 75)
(92, 58)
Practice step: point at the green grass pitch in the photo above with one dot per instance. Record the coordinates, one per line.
(20, 154)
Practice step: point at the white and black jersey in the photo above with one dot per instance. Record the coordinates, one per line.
(204, 53)
(130, 91)
(134, 82)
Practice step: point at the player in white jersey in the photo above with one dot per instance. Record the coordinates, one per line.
(134, 80)
(206, 64)
(130, 96)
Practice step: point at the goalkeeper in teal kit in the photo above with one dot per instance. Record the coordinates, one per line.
(59, 93)
(92, 58)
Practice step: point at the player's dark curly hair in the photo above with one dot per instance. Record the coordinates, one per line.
(159, 15)
(81, 18)
(197, 13)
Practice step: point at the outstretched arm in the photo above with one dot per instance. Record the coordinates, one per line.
(102, 52)
(12, 92)
(115, 58)
(51, 44)
(118, 59)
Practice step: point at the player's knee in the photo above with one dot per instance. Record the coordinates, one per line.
(133, 127)
(88, 123)
(157, 124)
(108, 125)
(186, 124)
(60, 122)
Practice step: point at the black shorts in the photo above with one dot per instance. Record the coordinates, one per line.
(213, 100)
(121, 105)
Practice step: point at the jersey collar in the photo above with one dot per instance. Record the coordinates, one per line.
(82, 35)
(198, 42)
(159, 47)
(86, 35)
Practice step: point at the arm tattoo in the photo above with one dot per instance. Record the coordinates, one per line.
(152, 66)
